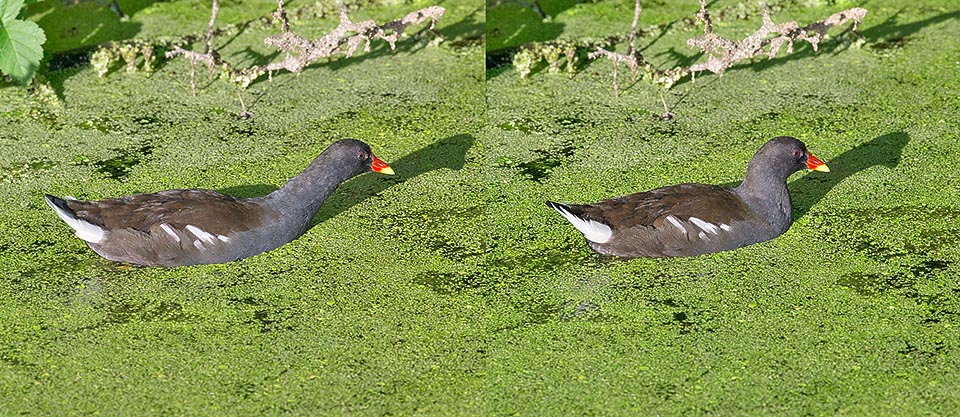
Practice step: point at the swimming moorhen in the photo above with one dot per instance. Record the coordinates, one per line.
(188, 227)
(693, 219)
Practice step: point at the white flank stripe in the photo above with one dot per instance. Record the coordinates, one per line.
(204, 236)
(85, 230)
(703, 236)
(88, 231)
(675, 222)
(198, 244)
(706, 226)
(169, 230)
(725, 227)
(223, 238)
(592, 230)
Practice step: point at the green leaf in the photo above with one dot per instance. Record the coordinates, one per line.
(20, 49)
(9, 9)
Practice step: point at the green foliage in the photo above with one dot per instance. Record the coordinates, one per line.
(20, 43)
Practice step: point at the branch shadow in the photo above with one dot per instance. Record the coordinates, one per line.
(678, 58)
(449, 153)
(511, 23)
(467, 31)
(890, 28)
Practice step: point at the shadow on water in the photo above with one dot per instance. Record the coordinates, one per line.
(889, 29)
(882, 150)
(467, 32)
(449, 153)
(511, 23)
(123, 161)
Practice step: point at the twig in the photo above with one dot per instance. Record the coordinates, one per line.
(193, 78)
(633, 29)
(631, 60)
(282, 16)
(667, 114)
(213, 18)
(244, 114)
(210, 59)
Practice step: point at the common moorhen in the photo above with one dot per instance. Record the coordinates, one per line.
(693, 219)
(188, 227)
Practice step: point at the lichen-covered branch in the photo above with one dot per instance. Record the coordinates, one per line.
(213, 19)
(723, 53)
(345, 39)
(633, 28)
(767, 40)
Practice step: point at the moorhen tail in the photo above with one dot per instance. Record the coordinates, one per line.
(694, 219)
(188, 227)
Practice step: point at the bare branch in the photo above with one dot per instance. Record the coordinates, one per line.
(213, 18)
(723, 53)
(281, 15)
(345, 39)
(633, 29)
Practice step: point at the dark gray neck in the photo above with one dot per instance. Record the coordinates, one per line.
(302, 196)
(765, 192)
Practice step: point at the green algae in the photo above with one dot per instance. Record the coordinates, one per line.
(814, 322)
(450, 288)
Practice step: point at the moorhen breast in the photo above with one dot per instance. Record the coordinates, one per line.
(188, 227)
(694, 219)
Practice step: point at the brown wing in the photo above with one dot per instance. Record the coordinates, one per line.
(711, 203)
(681, 220)
(214, 212)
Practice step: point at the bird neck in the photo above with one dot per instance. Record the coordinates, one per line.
(304, 193)
(764, 189)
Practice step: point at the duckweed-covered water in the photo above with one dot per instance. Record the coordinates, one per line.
(450, 288)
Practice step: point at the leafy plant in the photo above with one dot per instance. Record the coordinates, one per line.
(20, 43)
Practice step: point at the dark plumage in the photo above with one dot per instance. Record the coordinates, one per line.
(187, 227)
(693, 219)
